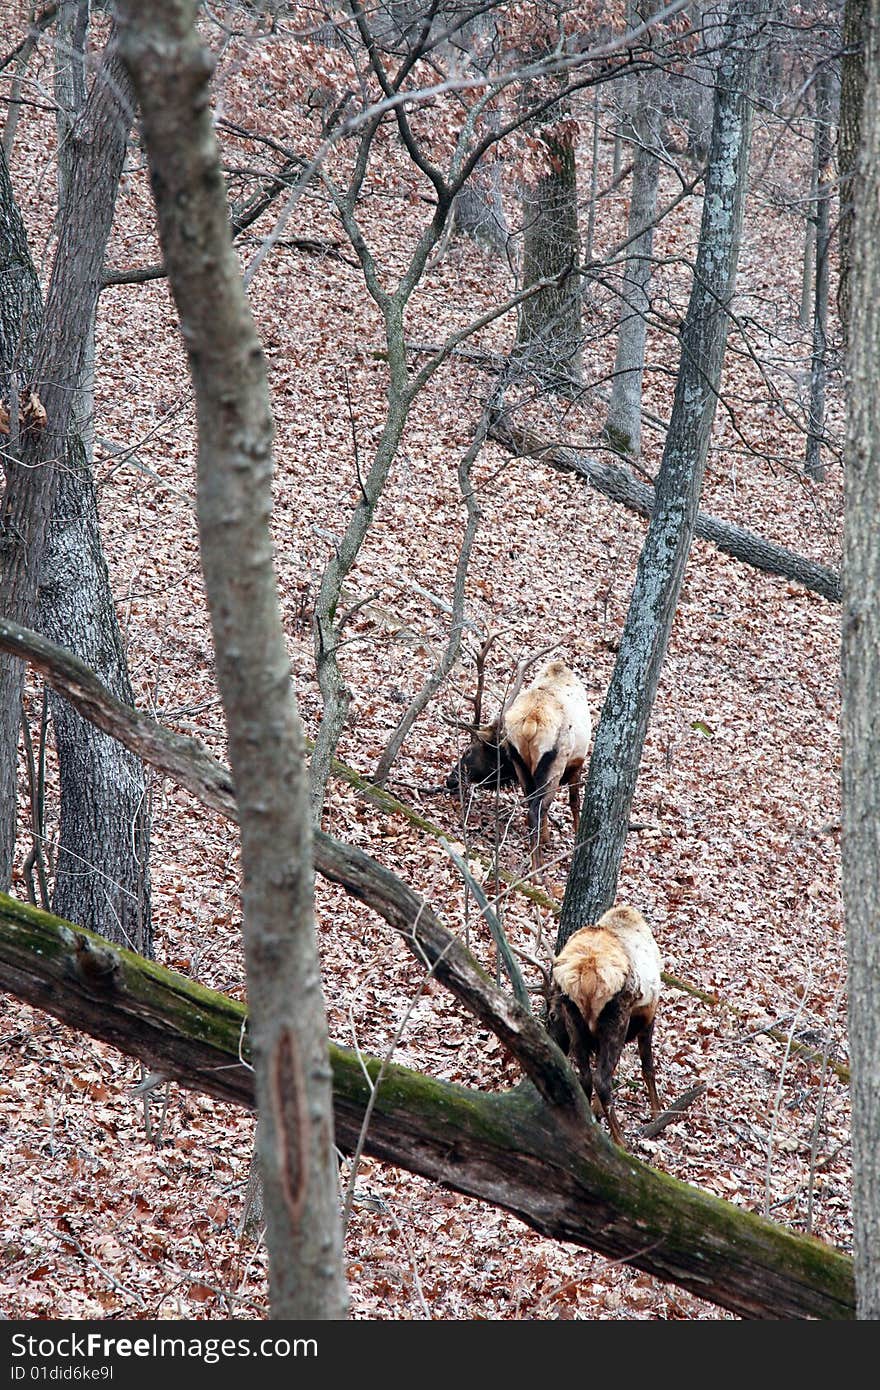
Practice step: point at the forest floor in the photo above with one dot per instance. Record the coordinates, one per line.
(735, 860)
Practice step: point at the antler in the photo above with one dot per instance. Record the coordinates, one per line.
(477, 698)
(462, 724)
(481, 676)
(545, 971)
(520, 673)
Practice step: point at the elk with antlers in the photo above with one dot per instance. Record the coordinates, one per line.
(539, 740)
(603, 993)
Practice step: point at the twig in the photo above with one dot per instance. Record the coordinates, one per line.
(778, 1097)
(673, 1111)
(354, 438)
(373, 1086)
(514, 974)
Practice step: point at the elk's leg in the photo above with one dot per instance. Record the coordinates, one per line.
(578, 1043)
(612, 1029)
(574, 803)
(573, 778)
(538, 829)
(533, 806)
(646, 1054)
(543, 821)
(556, 1021)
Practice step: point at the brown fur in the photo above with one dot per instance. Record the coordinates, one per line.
(591, 970)
(540, 742)
(547, 729)
(606, 983)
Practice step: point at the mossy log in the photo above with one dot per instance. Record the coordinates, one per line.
(549, 1164)
(189, 763)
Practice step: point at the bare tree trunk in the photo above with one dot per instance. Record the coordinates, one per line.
(594, 183)
(287, 1017)
(621, 732)
(617, 147)
(852, 92)
(808, 278)
(707, 23)
(813, 466)
(861, 689)
(13, 110)
(335, 693)
(549, 330)
(20, 318)
(624, 424)
(102, 866)
(450, 653)
(53, 366)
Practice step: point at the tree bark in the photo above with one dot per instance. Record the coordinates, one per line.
(860, 721)
(813, 466)
(20, 319)
(549, 332)
(102, 875)
(808, 276)
(46, 352)
(102, 870)
(171, 71)
(852, 95)
(624, 423)
(620, 736)
(534, 1151)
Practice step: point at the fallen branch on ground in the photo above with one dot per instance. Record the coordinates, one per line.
(547, 1163)
(619, 485)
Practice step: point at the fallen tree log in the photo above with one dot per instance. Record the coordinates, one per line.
(619, 485)
(190, 764)
(549, 1164)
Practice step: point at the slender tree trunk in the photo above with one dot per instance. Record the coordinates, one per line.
(334, 691)
(808, 279)
(852, 91)
(594, 183)
(102, 865)
(861, 690)
(34, 461)
(450, 653)
(287, 1017)
(624, 424)
(13, 109)
(617, 147)
(549, 330)
(620, 736)
(707, 23)
(813, 466)
(21, 314)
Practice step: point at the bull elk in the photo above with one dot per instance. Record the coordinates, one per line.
(602, 994)
(539, 740)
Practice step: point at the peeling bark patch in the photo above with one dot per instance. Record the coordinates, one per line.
(292, 1127)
